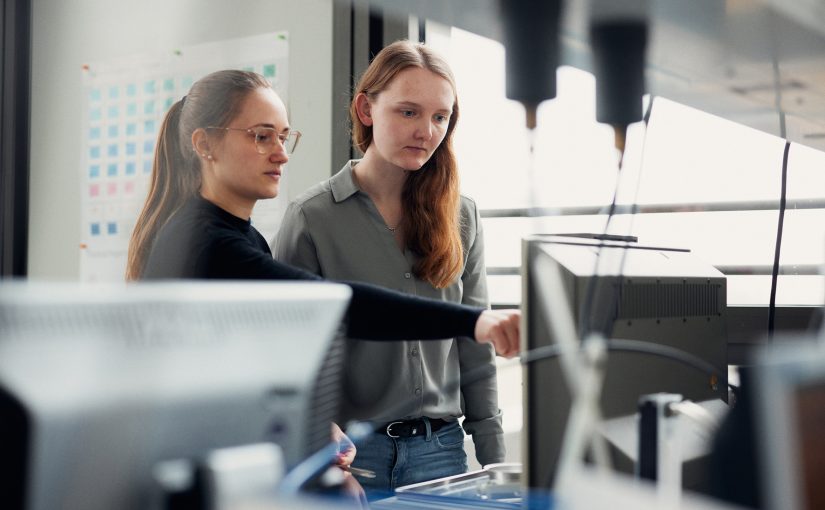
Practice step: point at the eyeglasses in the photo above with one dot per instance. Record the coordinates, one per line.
(266, 138)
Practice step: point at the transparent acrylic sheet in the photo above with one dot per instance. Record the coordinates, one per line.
(498, 485)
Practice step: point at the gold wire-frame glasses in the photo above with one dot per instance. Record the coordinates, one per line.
(266, 138)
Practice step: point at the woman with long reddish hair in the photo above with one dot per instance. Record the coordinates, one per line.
(395, 218)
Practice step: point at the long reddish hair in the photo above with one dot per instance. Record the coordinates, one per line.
(214, 100)
(431, 195)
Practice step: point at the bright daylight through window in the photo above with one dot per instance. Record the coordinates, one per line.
(701, 182)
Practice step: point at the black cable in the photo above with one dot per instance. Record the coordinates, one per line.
(777, 252)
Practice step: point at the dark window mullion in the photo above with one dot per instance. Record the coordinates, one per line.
(15, 101)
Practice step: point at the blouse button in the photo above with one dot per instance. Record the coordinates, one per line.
(407, 276)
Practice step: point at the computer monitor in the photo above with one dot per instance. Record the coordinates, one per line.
(101, 384)
(789, 405)
(664, 296)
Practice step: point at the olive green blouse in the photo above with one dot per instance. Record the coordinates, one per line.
(335, 231)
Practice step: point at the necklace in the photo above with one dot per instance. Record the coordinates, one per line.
(393, 228)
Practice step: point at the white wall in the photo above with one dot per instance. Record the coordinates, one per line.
(69, 33)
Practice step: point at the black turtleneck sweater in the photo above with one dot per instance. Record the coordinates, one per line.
(202, 241)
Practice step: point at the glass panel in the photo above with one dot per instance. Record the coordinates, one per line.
(492, 145)
(503, 235)
(693, 157)
(806, 173)
(720, 238)
(685, 157)
(488, 121)
(502, 240)
(504, 290)
(790, 290)
(803, 238)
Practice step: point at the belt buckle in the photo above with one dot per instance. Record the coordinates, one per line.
(390, 425)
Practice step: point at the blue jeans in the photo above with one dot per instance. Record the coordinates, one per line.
(405, 460)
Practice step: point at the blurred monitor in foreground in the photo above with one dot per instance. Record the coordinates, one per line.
(789, 405)
(99, 385)
(662, 296)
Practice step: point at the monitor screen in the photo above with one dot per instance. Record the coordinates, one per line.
(100, 384)
(661, 296)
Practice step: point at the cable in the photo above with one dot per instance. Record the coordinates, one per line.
(633, 209)
(633, 346)
(581, 409)
(323, 458)
(298, 476)
(777, 252)
(626, 345)
(590, 296)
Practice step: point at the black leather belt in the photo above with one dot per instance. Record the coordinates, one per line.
(410, 428)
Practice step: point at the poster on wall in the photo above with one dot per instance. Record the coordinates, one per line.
(124, 102)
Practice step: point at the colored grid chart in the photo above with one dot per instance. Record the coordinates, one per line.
(124, 103)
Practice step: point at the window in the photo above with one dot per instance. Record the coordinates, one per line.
(701, 182)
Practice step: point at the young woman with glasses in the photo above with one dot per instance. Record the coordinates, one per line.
(395, 218)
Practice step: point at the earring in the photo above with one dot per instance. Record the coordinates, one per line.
(202, 154)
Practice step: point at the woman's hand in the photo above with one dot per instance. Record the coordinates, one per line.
(500, 328)
(346, 448)
(346, 454)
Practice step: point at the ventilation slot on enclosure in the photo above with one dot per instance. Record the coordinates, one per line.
(661, 300)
